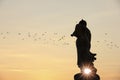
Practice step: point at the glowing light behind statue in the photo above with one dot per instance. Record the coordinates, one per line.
(87, 71)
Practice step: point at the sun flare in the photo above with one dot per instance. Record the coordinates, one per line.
(87, 71)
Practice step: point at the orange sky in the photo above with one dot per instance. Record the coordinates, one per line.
(35, 42)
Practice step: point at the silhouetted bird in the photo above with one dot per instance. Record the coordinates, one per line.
(19, 33)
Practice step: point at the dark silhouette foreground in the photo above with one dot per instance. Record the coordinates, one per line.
(79, 76)
(83, 44)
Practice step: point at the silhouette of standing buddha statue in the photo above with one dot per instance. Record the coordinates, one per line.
(83, 44)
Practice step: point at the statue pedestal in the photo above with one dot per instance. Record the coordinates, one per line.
(80, 76)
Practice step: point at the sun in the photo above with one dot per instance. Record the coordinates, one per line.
(87, 71)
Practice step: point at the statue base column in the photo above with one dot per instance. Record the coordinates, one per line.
(80, 76)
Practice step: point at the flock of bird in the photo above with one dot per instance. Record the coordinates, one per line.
(108, 43)
(43, 37)
(53, 38)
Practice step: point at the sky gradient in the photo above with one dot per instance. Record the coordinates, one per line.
(35, 41)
